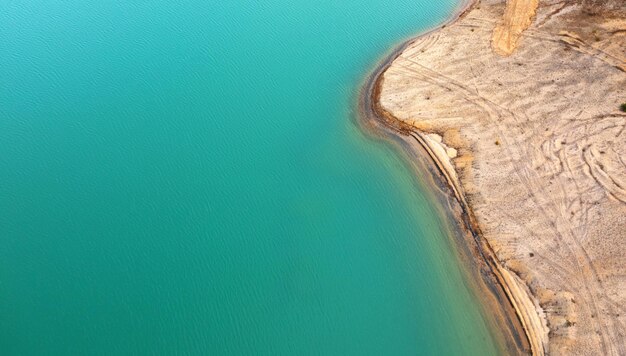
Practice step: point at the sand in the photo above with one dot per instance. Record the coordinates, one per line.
(518, 105)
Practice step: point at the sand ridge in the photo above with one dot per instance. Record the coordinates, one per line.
(517, 17)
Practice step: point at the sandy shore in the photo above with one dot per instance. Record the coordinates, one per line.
(516, 105)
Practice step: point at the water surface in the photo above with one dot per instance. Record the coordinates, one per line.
(185, 177)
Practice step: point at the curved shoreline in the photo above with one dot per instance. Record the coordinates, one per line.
(516, 311)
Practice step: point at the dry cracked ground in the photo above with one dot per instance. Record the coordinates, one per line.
(528, 95)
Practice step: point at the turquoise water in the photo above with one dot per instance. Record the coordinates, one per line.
(186, 178)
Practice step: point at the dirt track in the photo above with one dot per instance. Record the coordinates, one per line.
(518, 15)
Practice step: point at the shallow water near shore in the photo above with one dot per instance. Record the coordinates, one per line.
(187, 178)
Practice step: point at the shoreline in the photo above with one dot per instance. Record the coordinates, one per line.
(520, 329)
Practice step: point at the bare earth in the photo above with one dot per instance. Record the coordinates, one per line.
(518, 103)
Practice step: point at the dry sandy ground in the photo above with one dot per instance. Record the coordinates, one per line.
(520, 103)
